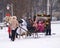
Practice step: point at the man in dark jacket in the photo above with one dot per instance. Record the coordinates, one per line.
(48, 27)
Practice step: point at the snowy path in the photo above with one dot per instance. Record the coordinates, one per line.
(43, 42)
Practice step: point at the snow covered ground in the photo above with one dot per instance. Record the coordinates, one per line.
(42, 42)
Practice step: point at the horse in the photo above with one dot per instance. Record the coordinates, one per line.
(22, 29)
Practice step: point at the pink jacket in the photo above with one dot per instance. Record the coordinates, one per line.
(41, 27)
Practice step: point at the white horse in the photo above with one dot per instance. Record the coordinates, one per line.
(22, 29)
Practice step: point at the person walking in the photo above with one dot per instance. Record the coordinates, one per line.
(13, 25)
